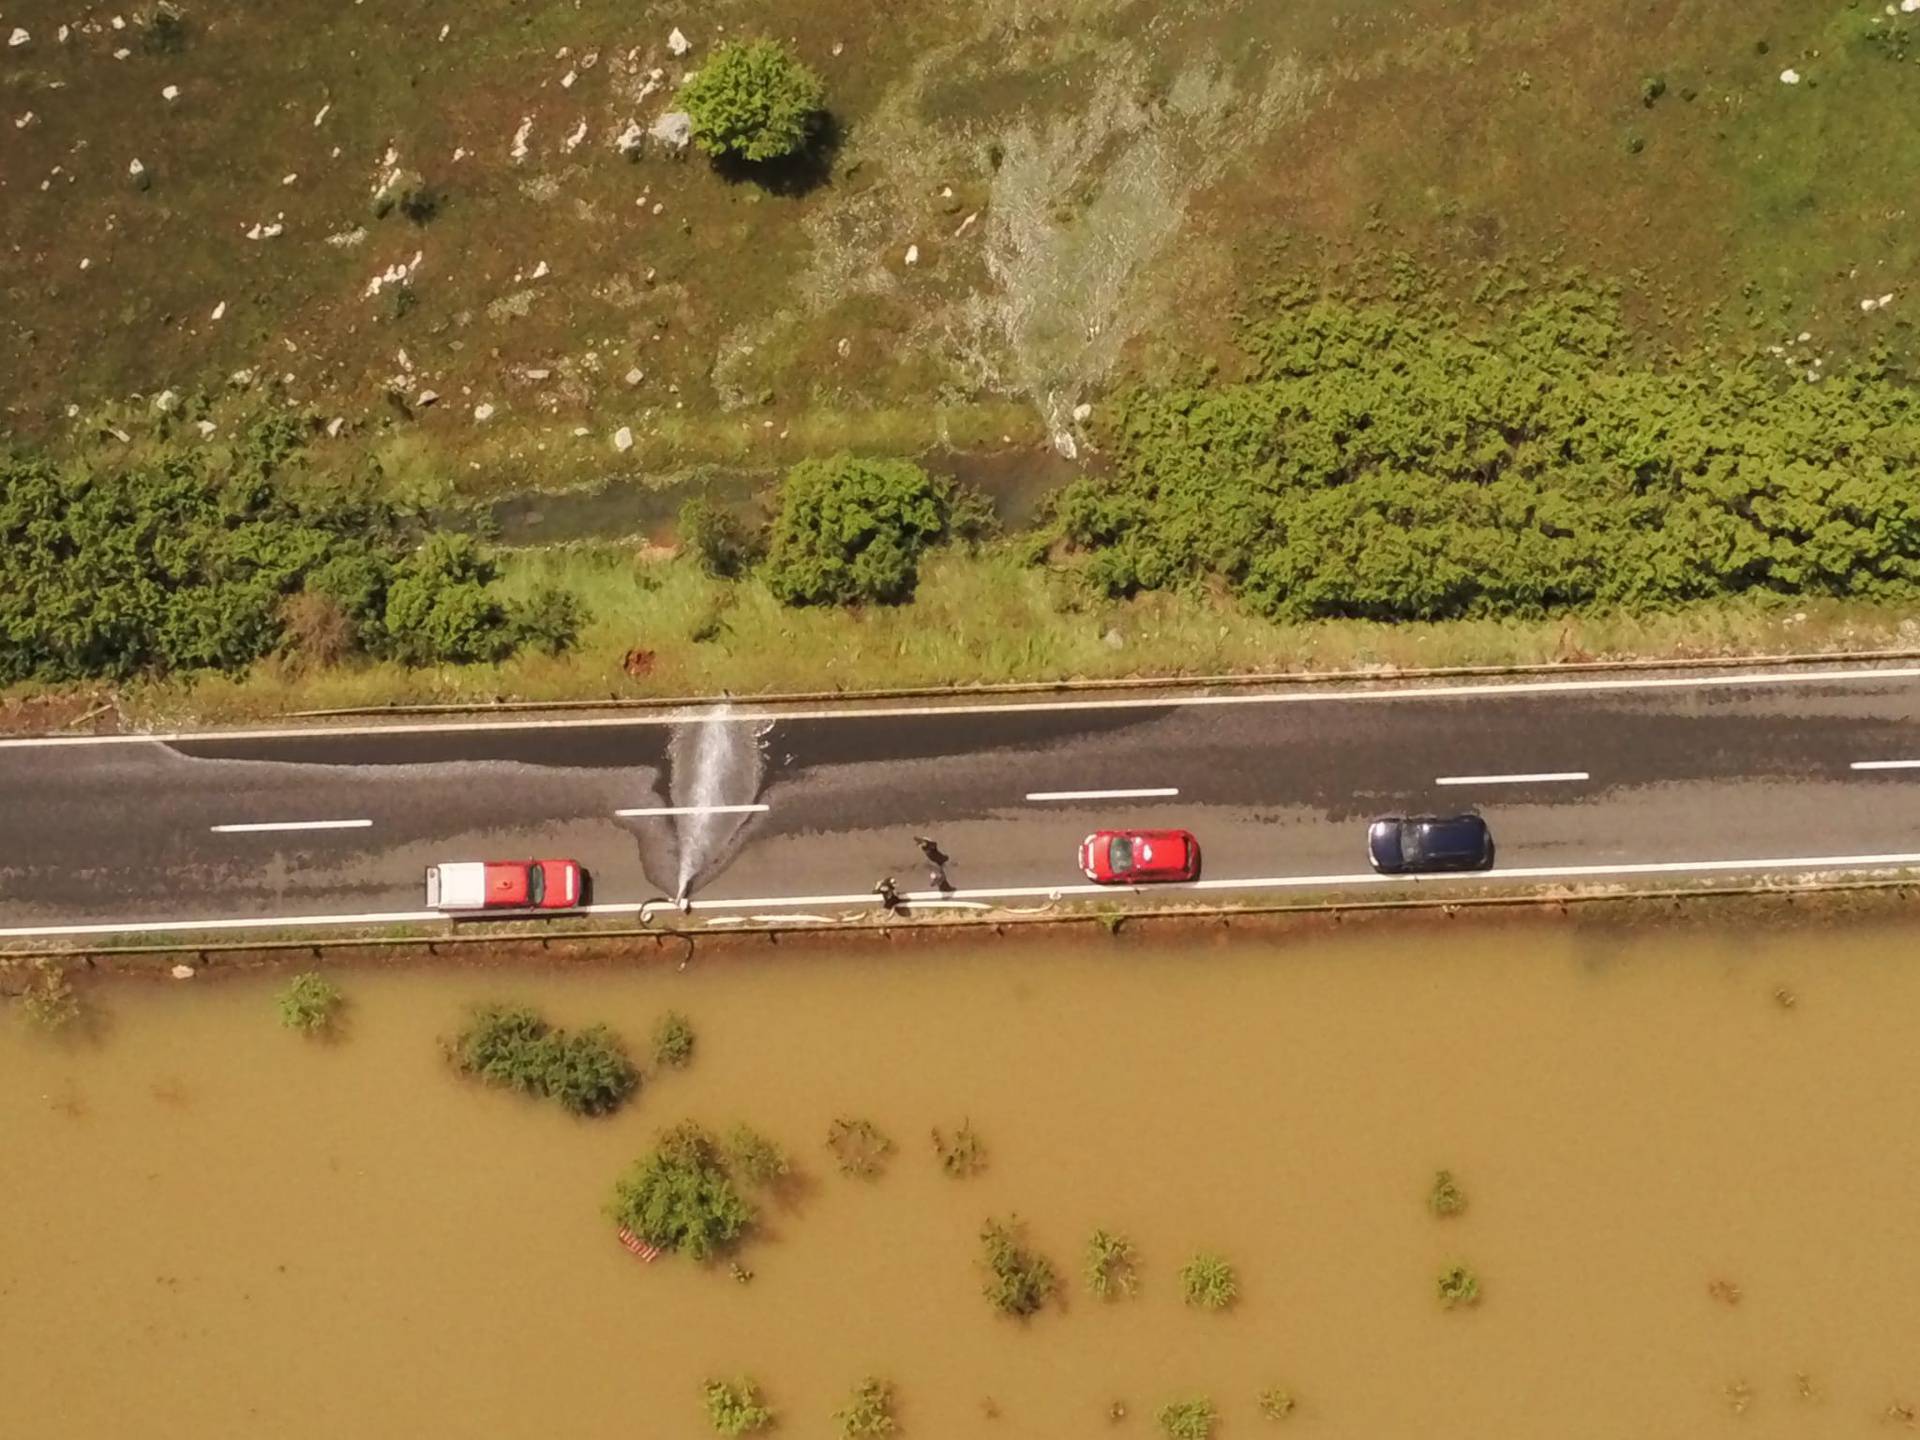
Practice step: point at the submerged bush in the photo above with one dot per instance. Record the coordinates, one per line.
(1208, 1282)
(869, 1411)
(588, 1072)
(1188, 1419)
(681, 1197)
(756, 1159)
(1458, 1285)
(962, 1153)
(1397, 461)
(310, 1004)
(1446, 1197)
(1019, 1281)
(752, 100)
(858, 1147)
(1112, 1269)
(673, 1041)
(734, 1408)
(49, 1001)
(1276, 1403)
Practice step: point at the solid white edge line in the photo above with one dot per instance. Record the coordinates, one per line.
(262, 826)
(1147, 794)
(646, 810)
(1805, 863)
(853, 710)
(1885, 765)
(1545, 777)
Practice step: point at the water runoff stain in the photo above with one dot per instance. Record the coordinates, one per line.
(715, 764)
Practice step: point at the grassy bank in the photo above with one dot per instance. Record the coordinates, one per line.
(977, 619)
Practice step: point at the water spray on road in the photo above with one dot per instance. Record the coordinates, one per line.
(714, 762)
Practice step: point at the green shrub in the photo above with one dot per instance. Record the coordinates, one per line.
(1019, 1281)
(1458, 1285)
(756, 1159)
(441, 605)
(849, 530)
(721, 542)
(962, 1153)
(1188, 1419)
(1446, 1197)
(1399, 460)
(49, 1001)
(681, 1197)
(673, 1041)
(858, 1147)
(1208, 1282)
(587, 1072)
(1276, 1403)
(754, 101)
(211, 559)
(1112, 1268)
(734, 1408)
(310, 1004)
(549, 620)
(869, 1412)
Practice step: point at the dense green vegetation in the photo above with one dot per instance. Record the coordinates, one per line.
(587, 1071)
(752, 100)
(214, 559)
(1393, 460)
(849, 530)
(310, 1004)
(734, 1407)
(1019, 1280)
(681, 1196)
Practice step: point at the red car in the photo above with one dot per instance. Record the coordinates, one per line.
(1139, 857)
(506, 885)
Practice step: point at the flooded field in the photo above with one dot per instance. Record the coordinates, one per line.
(1689, 1159)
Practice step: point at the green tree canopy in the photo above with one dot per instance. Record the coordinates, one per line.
(754, 101)
(850, 530)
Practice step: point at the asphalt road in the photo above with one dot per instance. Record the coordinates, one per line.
(1651, 775)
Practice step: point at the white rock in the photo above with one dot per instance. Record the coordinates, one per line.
(676, 42)
(119, 22)
(1082, 413)
(844, 348)
(335, 426)
(182, 972)
(482, 412)
(966, 224)
(623, 439)
(206, 428)
(321, 114)
(20, 37)
(635, 376)
(73, 412)
(24, 121)
(1886, 300)
(122, 53)
(165, 403)
(289, 179)
(1909, 6)
(445, 30)
(913, 255)
(347, 239)
(171, 92)
(580, 430)
(426, 398)
(539, 373)
(62, 33)
(86, 262)
(566, 80)
(673, 129)
(630, 139)
(1869, 305)
(519, 151)
(135, 169)
(219, 310)
(1789, 77)
(574, 137)
(540, 271)
(838, 46)
(240, 379)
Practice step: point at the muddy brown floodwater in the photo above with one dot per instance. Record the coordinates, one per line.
(210, 1227)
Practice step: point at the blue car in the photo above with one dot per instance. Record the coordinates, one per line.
(1415, 844)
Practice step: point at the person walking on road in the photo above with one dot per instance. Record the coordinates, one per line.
(936, 863)
(889, 894)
